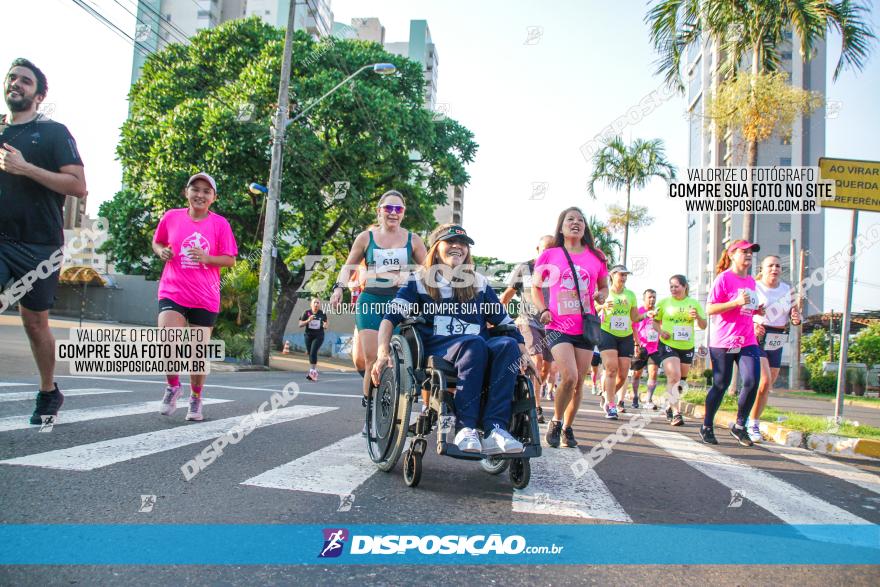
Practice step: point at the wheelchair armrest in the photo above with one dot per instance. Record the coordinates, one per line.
(502, 330)
(413, 321)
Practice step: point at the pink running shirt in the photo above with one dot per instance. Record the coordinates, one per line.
(733, 328)
(553, 270)
(191, 284)
(648, 337)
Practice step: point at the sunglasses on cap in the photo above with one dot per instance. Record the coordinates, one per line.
(393, 208)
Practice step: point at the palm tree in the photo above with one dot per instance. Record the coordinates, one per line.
(620, 166)
(603, 239)
(755, 28)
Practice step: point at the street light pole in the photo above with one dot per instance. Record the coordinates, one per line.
(270, 226)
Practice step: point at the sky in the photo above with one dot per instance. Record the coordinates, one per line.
(533, 81)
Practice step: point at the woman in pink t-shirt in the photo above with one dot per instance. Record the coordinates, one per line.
(561, 313)
(732, 304)
(194, 243)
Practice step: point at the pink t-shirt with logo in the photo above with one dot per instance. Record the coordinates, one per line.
(648, 337)
(189, 283)
(733, 328)
(554, 272)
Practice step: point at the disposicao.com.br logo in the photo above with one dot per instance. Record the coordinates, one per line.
(474, 545)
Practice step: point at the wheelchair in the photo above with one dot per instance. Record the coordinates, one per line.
(389, 410)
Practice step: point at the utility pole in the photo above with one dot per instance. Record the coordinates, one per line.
(262, 345)
(794, 368)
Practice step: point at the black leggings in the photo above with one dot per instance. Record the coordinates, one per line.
(313, 343)
(749, 361)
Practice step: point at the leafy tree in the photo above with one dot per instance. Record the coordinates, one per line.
(629, 167)
(638, 217)
(815, 351)
(865, 346)
(603, 239)
(209, 106)
(755, 29)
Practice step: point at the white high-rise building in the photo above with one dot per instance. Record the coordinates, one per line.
(709, 234)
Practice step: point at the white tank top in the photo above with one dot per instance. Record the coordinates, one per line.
(777, 303)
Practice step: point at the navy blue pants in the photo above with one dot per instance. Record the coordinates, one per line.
(313, 345)
(480, 361)
(749, 360)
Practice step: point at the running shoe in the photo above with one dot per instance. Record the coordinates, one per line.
(635, 403)
(568, 440)
(621, 408)
(499, 441)
(47, 404)
(554, 431)
(754, 429)
(169, 400)
(314, 374)
(677, 420)
(195, 409)
(650, 406)
(610, 412)
(669, 414)
(540, 412)
(467, 440)
(708, 435)
(741, 435)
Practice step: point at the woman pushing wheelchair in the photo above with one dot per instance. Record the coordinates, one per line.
(458, 306)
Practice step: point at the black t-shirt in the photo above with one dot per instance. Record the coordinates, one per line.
(316, 321)
(29, 211)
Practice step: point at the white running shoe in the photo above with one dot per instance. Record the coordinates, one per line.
(754, 428)
(195, 409)
(650, 406)
(169, 400)
(500, 441)
(467, 440)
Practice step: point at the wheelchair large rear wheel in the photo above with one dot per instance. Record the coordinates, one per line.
(388, 410)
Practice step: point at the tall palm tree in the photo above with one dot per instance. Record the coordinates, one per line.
(603, 239)
(629, 166)
(755, 28)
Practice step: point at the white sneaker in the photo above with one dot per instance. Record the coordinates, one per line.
(754, 428)
(500, 441)
(169, 400)
(650, 406)
(467, 440)
(195, 409)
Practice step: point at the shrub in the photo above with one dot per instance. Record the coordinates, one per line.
(823, 383)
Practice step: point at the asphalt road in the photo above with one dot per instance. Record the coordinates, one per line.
(111, 447)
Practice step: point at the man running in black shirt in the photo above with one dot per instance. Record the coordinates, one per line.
(39, 164)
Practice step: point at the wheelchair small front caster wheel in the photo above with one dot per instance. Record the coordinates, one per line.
(412, 468)
(520, 473)
(494, 465)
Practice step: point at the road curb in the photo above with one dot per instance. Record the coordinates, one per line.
(824, 443)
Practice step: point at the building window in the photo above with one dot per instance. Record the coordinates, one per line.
(785, 227)
(784, 249)
(204, 13)
(785, 161)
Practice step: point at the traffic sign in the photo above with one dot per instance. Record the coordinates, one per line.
(857, 183)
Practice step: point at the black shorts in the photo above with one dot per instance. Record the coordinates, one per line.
(664, 352)
(194, 316)
(641, 361)
(33, 274)
(774, 357)
(596, 360)
(555, 337)
(624, 345)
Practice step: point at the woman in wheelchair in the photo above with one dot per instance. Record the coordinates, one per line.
(459, 305)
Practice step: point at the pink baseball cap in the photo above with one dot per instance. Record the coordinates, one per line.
(206, 177)
(743, 244)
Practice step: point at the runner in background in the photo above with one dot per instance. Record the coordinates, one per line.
(194, 243)
(520, 282)
(674, 321)
(388, 250)
(561, 312)
(616, 344)
(315, 322)
(598, 377)
(646, 350)
(39, 165)
(732, 304)
(771, 330)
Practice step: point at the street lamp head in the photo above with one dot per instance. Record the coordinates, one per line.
(256, 188)
(385, 68)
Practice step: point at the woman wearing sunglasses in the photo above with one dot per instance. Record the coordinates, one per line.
(388, 250)
(771, 329)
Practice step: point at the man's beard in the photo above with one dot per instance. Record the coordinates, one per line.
(21, 104)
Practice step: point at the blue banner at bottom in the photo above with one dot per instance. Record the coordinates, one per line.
(72, 544)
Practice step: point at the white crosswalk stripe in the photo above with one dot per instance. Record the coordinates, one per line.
(828, 466)
(337, 469)
(87, 457)
(86, 414)
(554, 490)
(12, 384)
(16, 396)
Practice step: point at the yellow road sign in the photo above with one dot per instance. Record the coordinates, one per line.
(857, 183)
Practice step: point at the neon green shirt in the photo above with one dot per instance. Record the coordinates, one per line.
(675, 319)
(618, 321)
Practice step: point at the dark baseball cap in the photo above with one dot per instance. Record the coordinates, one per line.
(449, 231)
